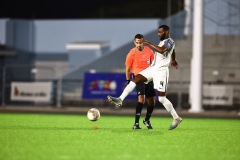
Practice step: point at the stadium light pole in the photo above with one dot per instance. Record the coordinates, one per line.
(197, 56)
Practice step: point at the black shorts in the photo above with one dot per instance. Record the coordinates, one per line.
(145, 89)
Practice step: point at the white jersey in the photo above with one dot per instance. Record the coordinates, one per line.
(163, 60)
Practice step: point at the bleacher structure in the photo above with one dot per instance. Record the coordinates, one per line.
(221, 64)
(221, 58)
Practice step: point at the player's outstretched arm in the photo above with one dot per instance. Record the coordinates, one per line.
(154, 47)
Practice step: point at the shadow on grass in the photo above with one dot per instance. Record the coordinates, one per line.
(93, 128)
(145, 132)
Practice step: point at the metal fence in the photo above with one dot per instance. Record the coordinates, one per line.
(68, 92)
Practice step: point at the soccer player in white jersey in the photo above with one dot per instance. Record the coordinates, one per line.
(158, 72)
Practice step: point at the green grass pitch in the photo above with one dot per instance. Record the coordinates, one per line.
(74, 137)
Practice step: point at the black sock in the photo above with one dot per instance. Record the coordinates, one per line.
(138, 112)
(149, 112)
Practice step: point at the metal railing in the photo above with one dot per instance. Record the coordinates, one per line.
(68, 91)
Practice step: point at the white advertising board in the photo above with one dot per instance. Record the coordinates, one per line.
(214, 94)
(31, 91)
(217, 94)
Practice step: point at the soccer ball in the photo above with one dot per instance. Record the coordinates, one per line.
(93, 114)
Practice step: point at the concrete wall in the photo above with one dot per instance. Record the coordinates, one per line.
(53, 35)
(45, 40)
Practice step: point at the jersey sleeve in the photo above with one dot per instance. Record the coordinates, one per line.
(129, 59)
(169, 43)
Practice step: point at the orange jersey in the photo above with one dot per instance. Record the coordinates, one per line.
(139, 60)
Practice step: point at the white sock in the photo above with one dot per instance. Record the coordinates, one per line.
(168, 105)
(128, 89)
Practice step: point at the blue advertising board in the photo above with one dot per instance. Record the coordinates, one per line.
(100, 85)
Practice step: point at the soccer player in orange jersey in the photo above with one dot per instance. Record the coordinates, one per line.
(139, 58)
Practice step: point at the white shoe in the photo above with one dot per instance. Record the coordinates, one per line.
(175, 123)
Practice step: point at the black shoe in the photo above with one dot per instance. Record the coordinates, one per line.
(147, 124)
(136, 126)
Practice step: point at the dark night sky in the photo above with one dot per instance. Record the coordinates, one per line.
(76, 9)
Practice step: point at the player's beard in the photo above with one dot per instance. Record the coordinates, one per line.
(140, 48)
(163, 37)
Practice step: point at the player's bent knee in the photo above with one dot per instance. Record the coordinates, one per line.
(162, 99)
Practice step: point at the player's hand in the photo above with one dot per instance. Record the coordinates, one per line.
(145, 41)
(174, 64)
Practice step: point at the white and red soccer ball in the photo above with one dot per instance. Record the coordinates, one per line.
(93, 114)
